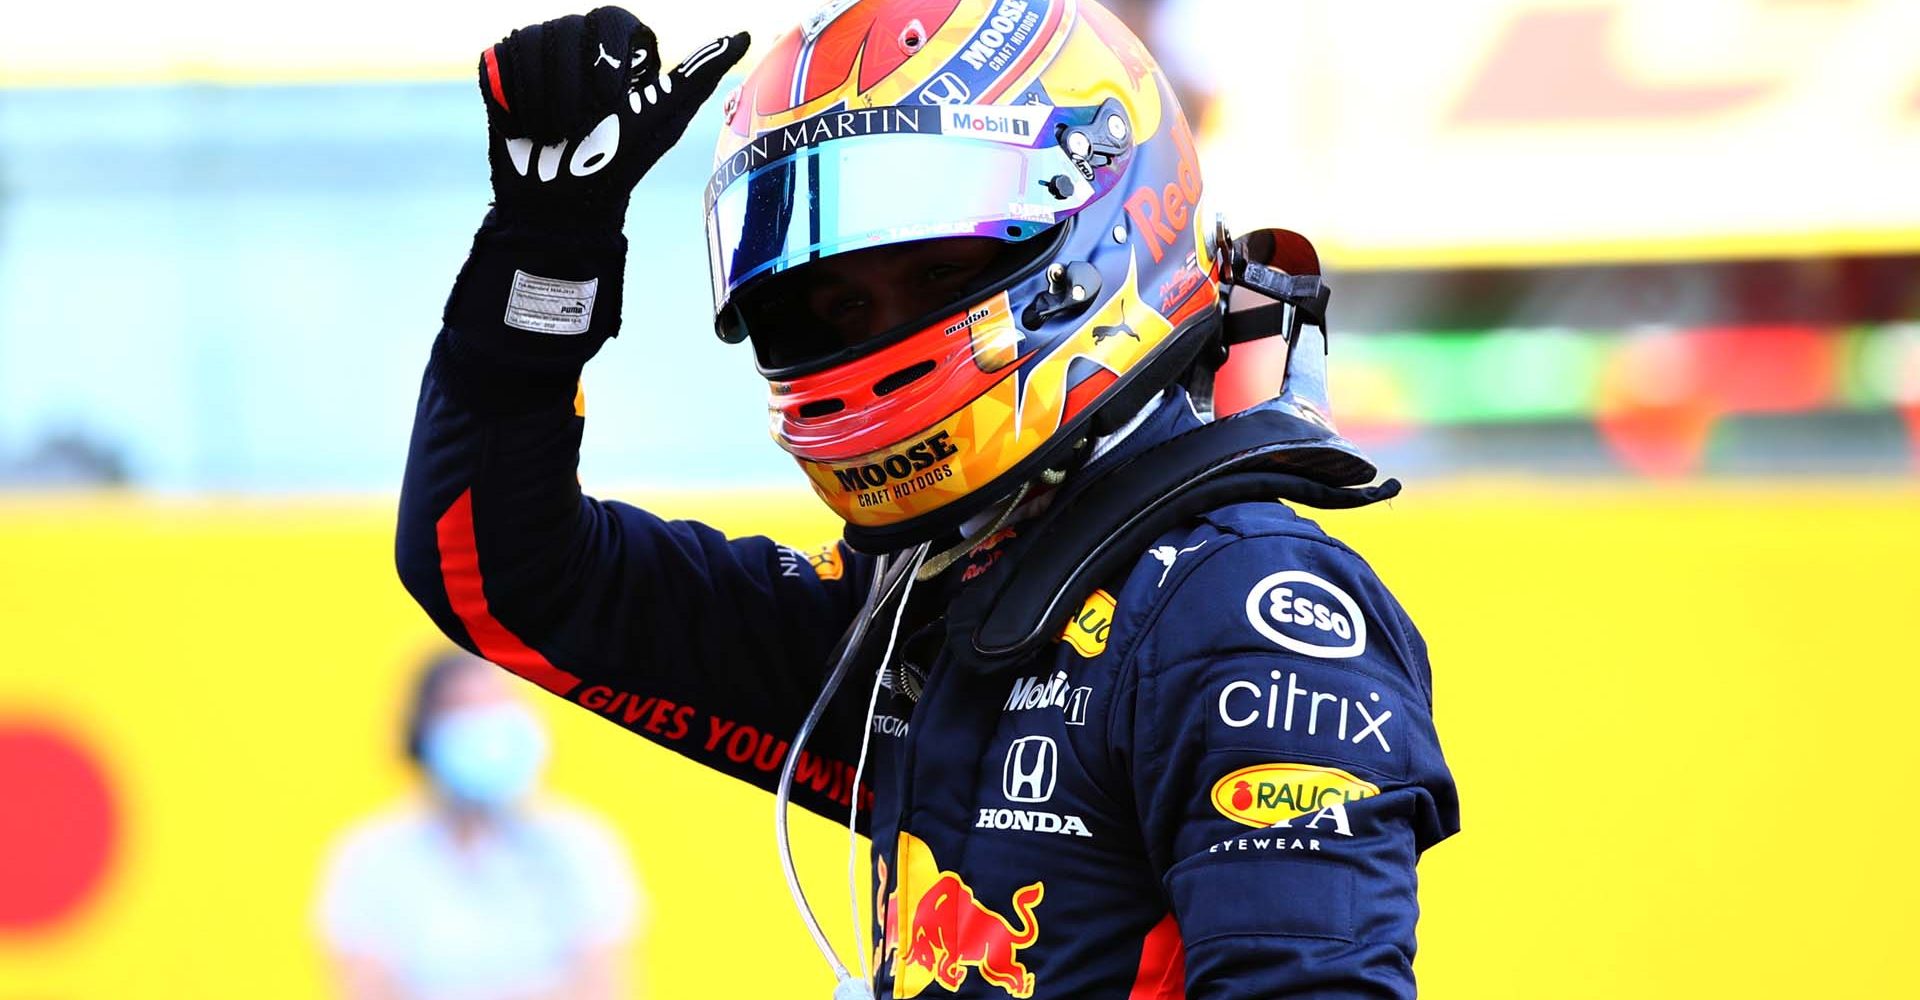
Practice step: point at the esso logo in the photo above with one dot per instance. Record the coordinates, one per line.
(1308, 615)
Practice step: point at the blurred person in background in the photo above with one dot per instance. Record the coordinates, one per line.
(479, 893)
(1136, 729)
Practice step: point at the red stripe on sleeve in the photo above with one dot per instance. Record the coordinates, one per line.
(460, 571)
(493, 78)
(1163, 964)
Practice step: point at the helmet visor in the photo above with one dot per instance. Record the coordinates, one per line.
(906, 174)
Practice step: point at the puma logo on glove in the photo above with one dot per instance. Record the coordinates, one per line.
(578, 110)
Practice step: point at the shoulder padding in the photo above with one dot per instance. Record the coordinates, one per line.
(1091, 534)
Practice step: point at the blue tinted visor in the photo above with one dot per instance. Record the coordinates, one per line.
(850, 180)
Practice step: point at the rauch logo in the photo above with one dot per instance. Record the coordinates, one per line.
(1266, 795)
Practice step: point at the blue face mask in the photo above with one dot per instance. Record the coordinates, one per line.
(487, 757)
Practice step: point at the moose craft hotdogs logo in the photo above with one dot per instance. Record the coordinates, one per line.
(902, 472)
(994, 52)
(1267, 795)
(936, 930)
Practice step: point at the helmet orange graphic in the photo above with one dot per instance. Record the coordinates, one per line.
(1039, 129)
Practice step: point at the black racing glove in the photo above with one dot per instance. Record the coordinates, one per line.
(577, 112)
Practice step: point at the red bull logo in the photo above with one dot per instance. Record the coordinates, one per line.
(950, 930)
(937, 931)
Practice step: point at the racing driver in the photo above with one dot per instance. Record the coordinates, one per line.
(1117, 721)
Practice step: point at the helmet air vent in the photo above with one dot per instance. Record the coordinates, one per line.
(821, 408)
(913, 36)
(904, 377)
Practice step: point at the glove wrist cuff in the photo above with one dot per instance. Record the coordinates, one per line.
(579, 221)
(537, 297)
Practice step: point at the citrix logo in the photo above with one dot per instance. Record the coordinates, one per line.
(1246, 710)
(590, 155)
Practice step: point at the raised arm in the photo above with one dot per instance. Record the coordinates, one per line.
(710, 646)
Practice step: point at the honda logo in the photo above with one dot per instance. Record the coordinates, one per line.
(1032, 764)
(945, 89)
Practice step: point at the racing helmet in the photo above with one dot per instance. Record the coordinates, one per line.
(1039, 130)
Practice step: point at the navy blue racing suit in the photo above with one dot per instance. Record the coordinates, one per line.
(1215, 784)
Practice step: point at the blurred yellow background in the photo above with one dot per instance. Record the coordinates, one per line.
(1628, 292)
(1674, 714)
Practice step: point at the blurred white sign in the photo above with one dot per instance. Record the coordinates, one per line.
(1394, 132)
(1529, 131)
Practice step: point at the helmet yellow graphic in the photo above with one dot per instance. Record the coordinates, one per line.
(1039, 135)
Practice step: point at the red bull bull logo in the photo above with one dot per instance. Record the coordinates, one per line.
(937, 931)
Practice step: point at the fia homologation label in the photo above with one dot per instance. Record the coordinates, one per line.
(550, 305)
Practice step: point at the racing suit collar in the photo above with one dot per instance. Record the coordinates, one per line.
(1166, 415)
